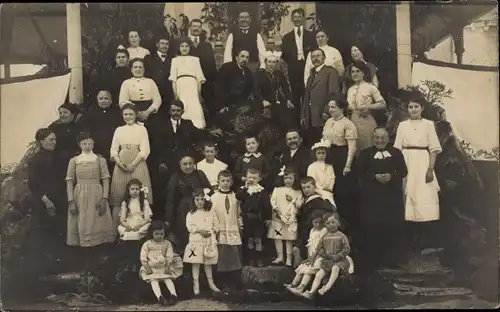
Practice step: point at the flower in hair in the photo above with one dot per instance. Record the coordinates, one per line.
(145, 190)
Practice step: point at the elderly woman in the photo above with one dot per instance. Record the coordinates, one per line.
(271, 88)
(134, 49)
(49, 205)
(187, 77)
(141, 92)
(113, 79)
(333, 56)
(357, 56)
(363, 97)
(65, 130)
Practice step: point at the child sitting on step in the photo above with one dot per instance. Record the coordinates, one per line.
(285, 202)
(159, 262)
(322, 172)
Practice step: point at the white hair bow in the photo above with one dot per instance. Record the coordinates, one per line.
(322, 143)
(272, 54)
(282, 171)
(145, 190)
(207, 192)
(121, 47)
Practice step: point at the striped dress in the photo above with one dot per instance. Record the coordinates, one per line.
(128, 142)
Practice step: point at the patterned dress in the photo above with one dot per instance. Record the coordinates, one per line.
(157, 254)
(201, 220)
(285, 226)
(334, 248)
(87, 228)
(312, 243)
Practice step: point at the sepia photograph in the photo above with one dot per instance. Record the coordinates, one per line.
(217, 156)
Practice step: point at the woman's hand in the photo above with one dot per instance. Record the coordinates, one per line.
(122, 166)
(303, 123)
(365, 112)
(136, 228)
(128, 228)
(429, 175)
(346, 171)
(148, 270)
(50, 207)
(143, 116)
(73, 209)
(223, 110)
(130, 167)
(162, 168)
(266, 103)
(102, 206)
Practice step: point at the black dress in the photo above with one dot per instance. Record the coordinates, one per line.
(102, 123)
(66, 147)
(113, 79)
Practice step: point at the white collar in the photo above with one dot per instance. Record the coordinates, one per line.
(293, 150)
(314, 196)
(296, 28)
(256, 155)
(319, 67)
(257, 188)
(161, 53)
(174, 122)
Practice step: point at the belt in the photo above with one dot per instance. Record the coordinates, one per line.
(181, 76)
(416, 148)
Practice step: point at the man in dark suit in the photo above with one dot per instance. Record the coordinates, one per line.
(205, 52)
(295, 47)
(158, 68)
(296, 154)
(323, 82)
(168, 143)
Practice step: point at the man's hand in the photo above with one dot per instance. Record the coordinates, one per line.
(162, 167)
(289, 104)
(266, 103)
(303, 123)
(217, 132)
(224, 110)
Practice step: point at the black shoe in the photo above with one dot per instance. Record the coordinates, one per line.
(162, 301)
(173, 300)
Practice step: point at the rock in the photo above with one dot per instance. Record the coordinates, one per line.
(272, 276)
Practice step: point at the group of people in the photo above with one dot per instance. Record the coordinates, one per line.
(135, 172)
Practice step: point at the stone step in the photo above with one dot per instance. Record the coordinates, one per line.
(406, 289)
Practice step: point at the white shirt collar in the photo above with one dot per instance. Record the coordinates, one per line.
(319, 67)
(301, 29)
(160, 54)
(256, 155)
(174, 122)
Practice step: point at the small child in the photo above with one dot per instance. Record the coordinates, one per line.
(256, 208)
(306, 270)
(159, 262)
(201, 223)
(333, 250)
(251, 159)
(285, 202)
(211, 166)
(227, 209)
(322, 172)
(135, 213)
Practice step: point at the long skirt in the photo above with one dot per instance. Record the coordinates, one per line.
(120, 178)
(365, 127)
(87, 228)
(187, 89)
(230, 258)
(422, 201)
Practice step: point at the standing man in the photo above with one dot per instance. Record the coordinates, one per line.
(244, 37)
(158, 68)
(323, 82)
(295, 47)
(205, 52)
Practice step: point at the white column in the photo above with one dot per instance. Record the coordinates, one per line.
(403, 38)
(74, 35)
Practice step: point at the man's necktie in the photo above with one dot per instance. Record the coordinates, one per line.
(228, 204)
(299, 33)
(163, 56)
(245, 31)
(195, 41)
(313, 74)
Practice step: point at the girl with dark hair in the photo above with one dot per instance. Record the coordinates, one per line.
(363, 97)
(87, 184)
(187, 76)
(135, 213)
(180, 197)
(202, 224)
(159, 262)
(285, 201)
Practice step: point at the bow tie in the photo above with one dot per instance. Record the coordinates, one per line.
(382, 155)
(163, 55)
(256, 155)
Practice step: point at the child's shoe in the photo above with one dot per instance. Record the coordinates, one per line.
(307, 295)
(162, 301)
(289, 261)
(173, 300)
(323, 290)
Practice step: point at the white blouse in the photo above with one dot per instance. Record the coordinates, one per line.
(314, 239)
(130, 135)
(363, 94)
(140, 89)
(186, 65)
(417, 133)
(333, 59)
(201, 220)
(138, 52)
(211, 170)
(323, 174)
(133, 214)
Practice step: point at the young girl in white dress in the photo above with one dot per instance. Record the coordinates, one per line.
(201, 223)
(135, 213)
(187, 77)
(210, 165)
(159, 262)
(285, 202)
(306, 271)
(322, 172)
(134, 49)
(418, 140)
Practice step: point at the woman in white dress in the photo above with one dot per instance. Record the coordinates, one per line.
(418, 140)
(187, 77)
(134, 49)
(333, 56)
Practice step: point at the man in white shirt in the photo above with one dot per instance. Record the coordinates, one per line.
(295, 47)
(245, 37)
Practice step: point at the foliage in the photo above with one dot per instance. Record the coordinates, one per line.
(274, 11)
(215, 15)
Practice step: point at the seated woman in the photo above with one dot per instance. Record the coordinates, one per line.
(357, 56)
(141, 92)
(363, 98)
(187, 77)
(65, 130)
(134, 49)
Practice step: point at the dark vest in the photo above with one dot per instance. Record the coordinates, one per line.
(246, 41)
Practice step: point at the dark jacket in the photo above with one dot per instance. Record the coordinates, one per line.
(300, 160)
(234, 85)
(289, 47)
(271, 87)
(159, 71)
